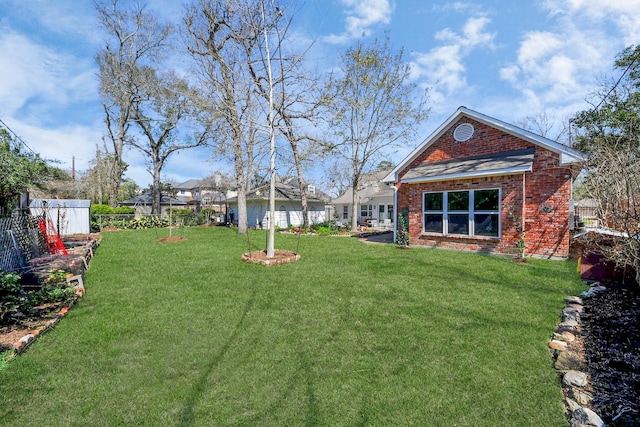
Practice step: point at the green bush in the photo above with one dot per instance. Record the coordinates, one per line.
(183, 216)
(124, 210)
(14, 299)
(323, 231)
(143, 222)
(98, 209)
(205, 216)
(12, 296)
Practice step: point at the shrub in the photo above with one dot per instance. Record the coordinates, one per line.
(323, 231)
(12, 296)
(205, 216)
(126, 210)
(148, 222)
(55, 289)
(183, 216)
(403, 231)
(98, 209)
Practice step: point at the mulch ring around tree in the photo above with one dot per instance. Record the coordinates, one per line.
(279, 257)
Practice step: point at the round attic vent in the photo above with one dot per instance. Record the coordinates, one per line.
(463, 132)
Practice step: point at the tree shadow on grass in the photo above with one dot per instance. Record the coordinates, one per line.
(199, 388)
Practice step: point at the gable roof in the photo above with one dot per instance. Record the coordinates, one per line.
(567, 154)
(371, 187)
(284, 192)
(188, 184)
(147, 199)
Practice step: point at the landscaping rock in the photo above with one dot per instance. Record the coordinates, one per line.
(581, 396)
(569, 361)
(558, 345)
(573, 300)
(570, 314)
(572, 405)
(568, 336)
(586, 417)
(593, 291)
(569, 323)
(576, 378)
(578, 307)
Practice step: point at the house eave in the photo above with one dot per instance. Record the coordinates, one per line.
(466, 175)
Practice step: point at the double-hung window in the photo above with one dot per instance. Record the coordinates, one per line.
(464, 213)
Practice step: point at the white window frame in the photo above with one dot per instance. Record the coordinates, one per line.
(471, 212)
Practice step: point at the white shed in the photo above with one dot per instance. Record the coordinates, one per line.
(68, 216)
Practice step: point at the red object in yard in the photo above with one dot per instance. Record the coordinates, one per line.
(52, 239)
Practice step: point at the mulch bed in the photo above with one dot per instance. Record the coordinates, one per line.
(611, 332)
(279, 257)
(46, 317)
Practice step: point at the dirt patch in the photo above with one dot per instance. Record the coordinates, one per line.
(279, 257)
(43, 319)
(171, 239)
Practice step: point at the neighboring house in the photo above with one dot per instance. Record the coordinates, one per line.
(477, 181)
(375, 202)
(67, 216)
(288, 205)
(143, 204)
(189, 192)
(208, 193)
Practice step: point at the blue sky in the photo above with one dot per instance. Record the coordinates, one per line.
(506, 59)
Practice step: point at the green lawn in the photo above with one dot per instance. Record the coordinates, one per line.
(181, 334)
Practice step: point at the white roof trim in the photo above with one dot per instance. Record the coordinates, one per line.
(567, 155)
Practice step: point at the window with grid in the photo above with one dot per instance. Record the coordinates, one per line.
(465, 213)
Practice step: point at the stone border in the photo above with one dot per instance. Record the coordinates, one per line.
(24, 342)
(246, 257)
(567, 348)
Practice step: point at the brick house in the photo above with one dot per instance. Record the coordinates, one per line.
(477, 182)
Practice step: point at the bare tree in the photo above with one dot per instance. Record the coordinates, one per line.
(165, 105)
(219, 35)
(282, 80)
(134, 42)
(541, 124)
(372, 108)
(610, 134)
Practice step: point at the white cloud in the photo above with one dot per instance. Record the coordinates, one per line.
(562, 64)
(443, 67)
(362, 15)
(32, 73)
(61, 144)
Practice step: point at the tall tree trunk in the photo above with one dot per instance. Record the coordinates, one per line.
(354, 205)
(157, 189)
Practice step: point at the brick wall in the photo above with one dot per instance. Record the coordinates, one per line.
(540, 199)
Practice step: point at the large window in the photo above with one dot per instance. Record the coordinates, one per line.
(366, 211)
(465, 213)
